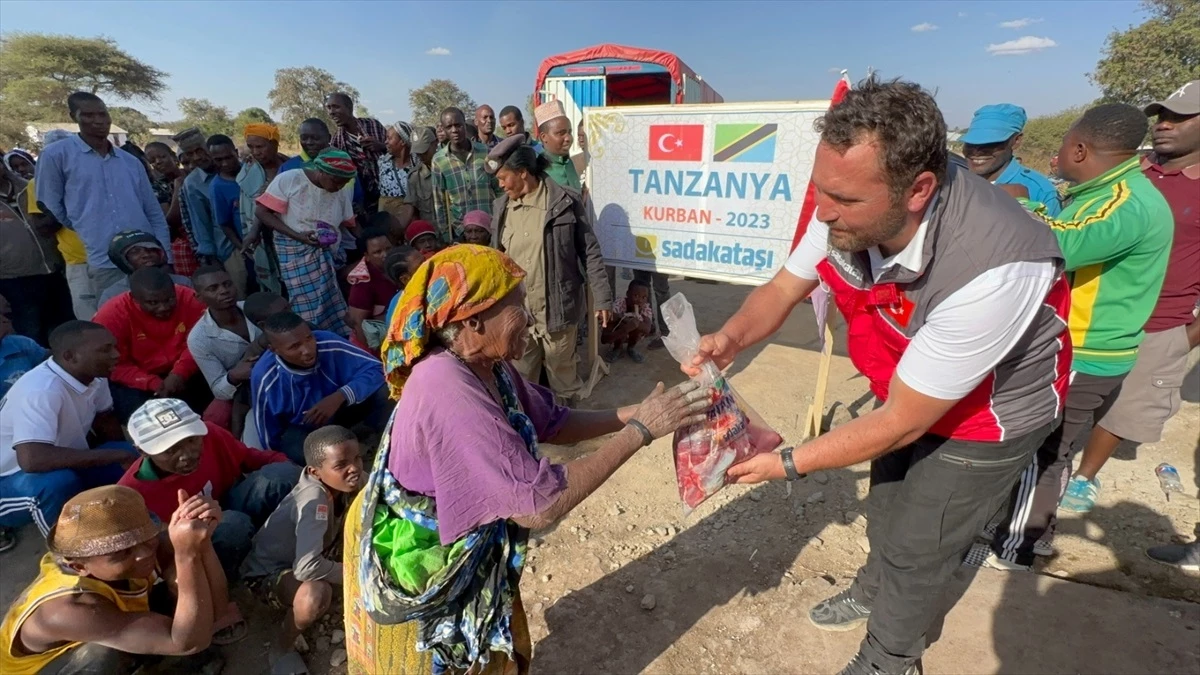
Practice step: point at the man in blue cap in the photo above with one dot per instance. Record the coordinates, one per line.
(989, 144)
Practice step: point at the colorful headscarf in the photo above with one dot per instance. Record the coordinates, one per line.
(405, 131)
(454, 285)
(333, 162)
(262, 130)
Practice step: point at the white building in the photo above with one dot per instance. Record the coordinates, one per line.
(36, 130)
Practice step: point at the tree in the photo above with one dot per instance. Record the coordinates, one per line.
(250, 116)
(1043, 136)
(38, 71)
(1146, 63)
(427, 102)
(300, 93)
(209, 117)
(133, 121)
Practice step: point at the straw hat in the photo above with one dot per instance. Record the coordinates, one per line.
(100, 521)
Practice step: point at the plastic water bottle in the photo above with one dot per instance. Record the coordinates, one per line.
(1168, 479)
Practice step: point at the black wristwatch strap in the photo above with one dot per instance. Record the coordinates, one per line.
(647, 437)
(789, 465)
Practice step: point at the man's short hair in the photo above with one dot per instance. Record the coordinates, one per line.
(217, 140)
(1114, 127)
(343, 97)
(149, 280)
(901, 118)
(282, 323)
(317, 121)
(258, 305)
(511, 110)
(318, 443)
(70, 334)
(452, 110)
(79, 97)
(205, 270)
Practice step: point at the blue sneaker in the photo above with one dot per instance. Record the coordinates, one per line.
(1081, 494)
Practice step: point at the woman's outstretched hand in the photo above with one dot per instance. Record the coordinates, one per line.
(665, 410)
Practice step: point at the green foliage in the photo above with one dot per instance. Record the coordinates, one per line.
(299, 93)
(38, 71)
(1146, 63)
(427, 102)
(1043, 136)
(133, 121)
(249, 116)
(204, 114)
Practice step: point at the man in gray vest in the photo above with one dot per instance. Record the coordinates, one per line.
(956, 301)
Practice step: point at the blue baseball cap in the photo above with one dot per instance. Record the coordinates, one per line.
(995, 124)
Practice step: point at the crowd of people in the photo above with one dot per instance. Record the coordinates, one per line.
(195, 343)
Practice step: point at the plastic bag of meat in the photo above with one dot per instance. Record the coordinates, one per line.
(732, 433)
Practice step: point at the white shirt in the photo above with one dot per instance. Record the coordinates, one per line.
(217, 351)
(969, 333)
(47, 405)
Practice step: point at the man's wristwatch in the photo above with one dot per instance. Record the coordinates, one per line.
(789, 465)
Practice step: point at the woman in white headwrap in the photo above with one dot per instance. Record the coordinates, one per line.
(393, 172)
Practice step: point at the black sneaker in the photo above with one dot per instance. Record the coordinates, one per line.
(859, 665)
(1180, 556)
(839, 613)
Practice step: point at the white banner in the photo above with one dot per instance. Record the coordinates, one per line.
(707, 191)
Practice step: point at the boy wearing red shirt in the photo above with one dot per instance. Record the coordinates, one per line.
(182, 452)
(151, 323)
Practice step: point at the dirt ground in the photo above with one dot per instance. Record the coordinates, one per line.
(626, 584)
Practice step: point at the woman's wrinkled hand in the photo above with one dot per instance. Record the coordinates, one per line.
(665, 410)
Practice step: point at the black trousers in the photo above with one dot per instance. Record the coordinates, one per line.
(39, 303)
(927, 503)
(1034, 501)
(126, 400)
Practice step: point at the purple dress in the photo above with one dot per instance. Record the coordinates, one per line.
(452, 441)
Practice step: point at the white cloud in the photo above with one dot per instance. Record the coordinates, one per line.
(438, 51)
(389, 111)
(923, 27)
(1024, 45)
(1020, 23)
(962, 15)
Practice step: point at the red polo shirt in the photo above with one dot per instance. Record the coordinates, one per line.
(1181, 287)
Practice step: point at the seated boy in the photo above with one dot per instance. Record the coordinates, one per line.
(292, 562)
(310, 379)
(370, 289)
(130, 251)
(151, 323)
(181, 452)
(218, 342)
(633, 319)
(90, 608)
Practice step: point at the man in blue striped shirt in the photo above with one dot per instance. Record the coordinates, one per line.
(97, 189)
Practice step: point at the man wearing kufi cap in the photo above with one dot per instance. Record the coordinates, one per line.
(554, 130)
(460, 183)
(989, 144)
(1150, 393)
(89, 609)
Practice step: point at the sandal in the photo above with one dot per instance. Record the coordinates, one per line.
(230, 628)
(290, 663)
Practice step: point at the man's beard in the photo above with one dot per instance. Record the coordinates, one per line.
(888, 227)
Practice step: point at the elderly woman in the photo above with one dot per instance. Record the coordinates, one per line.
(307, 210)
(436, 542)
(548, 231)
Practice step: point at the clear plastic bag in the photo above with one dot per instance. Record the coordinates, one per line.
(732, 433)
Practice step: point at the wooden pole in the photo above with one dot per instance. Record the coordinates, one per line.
(599, 365)
(816, 411)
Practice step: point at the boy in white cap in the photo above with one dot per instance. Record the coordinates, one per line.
(182, 452)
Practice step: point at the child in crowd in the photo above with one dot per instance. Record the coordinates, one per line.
(294, 560)
(91, 608)
(477, 228)
(370, 290)
(401, 263)
(421, 236)
(180, 451)
(633, 320)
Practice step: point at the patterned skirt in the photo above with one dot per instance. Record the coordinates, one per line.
(308, 274)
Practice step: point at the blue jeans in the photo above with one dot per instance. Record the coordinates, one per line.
(247, 506)
(39, 497)
(373, 412)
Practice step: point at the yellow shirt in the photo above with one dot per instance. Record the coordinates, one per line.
(53, 581)
(525, 242)
(69, 243)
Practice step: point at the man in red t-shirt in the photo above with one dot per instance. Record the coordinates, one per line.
(1150, 393)
(182, 452)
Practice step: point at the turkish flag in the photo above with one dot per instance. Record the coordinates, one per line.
(677, 142)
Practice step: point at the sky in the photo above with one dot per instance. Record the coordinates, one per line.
(970, 53)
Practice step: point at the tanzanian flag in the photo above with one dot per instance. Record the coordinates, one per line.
(744, 143)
